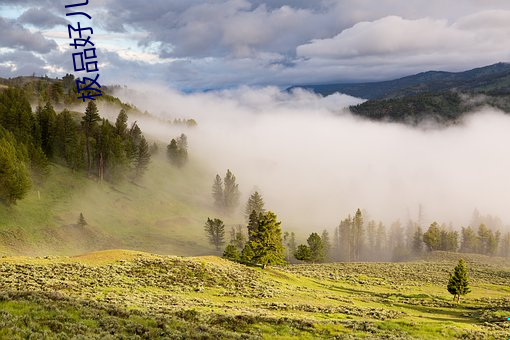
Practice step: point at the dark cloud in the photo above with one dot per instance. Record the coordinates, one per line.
(41, 17)
(223, 43)
(16, 36)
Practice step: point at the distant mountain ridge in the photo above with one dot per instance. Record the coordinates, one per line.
(492, 79)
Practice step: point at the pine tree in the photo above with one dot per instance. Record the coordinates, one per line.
(14, 175)
(232, 253)
(177, 151)
(89, 122)
(316, 247)
(253, 225)
(458, 284)
(81, 220)
(217, 193)
(247, 254)
(266, 241)
(345, 233)
(357, 234)
(230, 192)
(418, 241)
(381, 240)
(289, 240)
(215, 230)
(470, 243)
(237, 237)
(255, 203)
(303, 253)
(326, 243)
(143, 158)
(121, 126)
(432, 237)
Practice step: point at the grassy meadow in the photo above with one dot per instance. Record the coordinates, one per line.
(135, 295)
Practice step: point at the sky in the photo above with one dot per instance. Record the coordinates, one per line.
(195, 45)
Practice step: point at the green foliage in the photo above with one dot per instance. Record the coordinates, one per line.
(266, 241)
(317, 253)
(255, 203)
(232, 253)
(89, 123)
(247, 254)
(458, 283)
(418, 241)
(432, 237)
(143, 158)
(215, 231)
(14, 176)
(303, 253)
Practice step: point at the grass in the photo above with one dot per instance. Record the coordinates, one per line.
(164, 213)
(130, 294)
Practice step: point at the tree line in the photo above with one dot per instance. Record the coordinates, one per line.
(30, 140)
(357, 240)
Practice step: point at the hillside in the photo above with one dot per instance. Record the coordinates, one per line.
(443, 97)
(139, 295)
(164, 213)
(489, 79)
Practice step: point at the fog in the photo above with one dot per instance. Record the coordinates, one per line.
(315, 163)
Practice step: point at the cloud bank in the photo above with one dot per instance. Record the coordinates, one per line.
(314, 163)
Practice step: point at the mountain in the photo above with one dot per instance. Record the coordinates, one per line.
(489, 79)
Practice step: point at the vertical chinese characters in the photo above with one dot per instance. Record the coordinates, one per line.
(85, 58)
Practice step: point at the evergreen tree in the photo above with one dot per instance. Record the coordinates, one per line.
(89, 122)
(381, 246)
(470, 243)
(177, 151)
(316, 247)
(14, 175)
(418, 241)
(345, 231)
(255, 203)
(432, 237)
(266, 241)
(505, 245)
(326, 243)
(67, 140)
(303, 253)
(237, 237)
(121, 124)
(371, 238)
(232, 253)
(230, 192)
(247, 254)
(289, 240)
(46, 118)
(81, 221)
(458, 284)
(215, 231)
(143, 158)
(217, 193)
(357, 235)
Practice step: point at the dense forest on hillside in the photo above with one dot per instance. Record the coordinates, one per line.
(443, 97)
(83, 142)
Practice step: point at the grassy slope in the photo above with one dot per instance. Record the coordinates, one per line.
(165, 213)
(137, 294)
